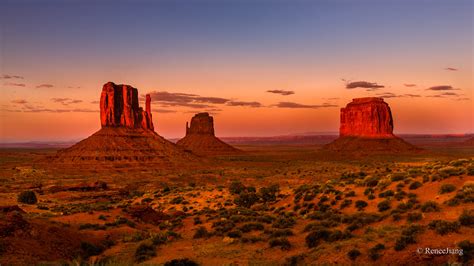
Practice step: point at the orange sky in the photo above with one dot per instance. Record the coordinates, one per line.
(54, 61)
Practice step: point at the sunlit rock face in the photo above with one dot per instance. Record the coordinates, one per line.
(202, 124)
(119, 107)
(368, 117)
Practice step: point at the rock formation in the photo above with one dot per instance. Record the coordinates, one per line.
(367, 126)
(127, 134)
(200, 138)
(119, 107)
(366, 117)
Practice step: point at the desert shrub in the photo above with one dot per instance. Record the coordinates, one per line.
(280, 233)
(408, 236)
(374, 251)
(281, 242)
(251, 227)
(464, 195)
(400, 195)
(246, 199)
(467, 218)
(430, 206)
(268, 194)
(415, 185)
(177, 200)
(468, 250)
(360, 204)
(181, 262)
(351, 193)
(92, 226)
(383, 183)
(236, 187)
(283, 222)
(27, 197)
(89, 249)
(368, 191)
(223, 226)
(144, 252)
(201, 232)
(383, 205)
(371, 181)
(234, 234)
(353, 254)
(346, 203)
(444, 227)
(447, 188)
(470, 170)
(398, 176)
(371, 196)
(313, 238)
(309, 197)
(387, 193)
(451, 171)
(414, 216)
(295, 260)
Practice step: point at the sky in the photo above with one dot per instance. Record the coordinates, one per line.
(277, 67)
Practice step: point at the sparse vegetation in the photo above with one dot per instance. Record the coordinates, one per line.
(27, 197)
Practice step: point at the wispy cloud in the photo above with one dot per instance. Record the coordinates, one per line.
(44, 86)
(299, 105)
(177, 99)
(451, 69)
(95, 102)
(241, 103)
(410, 85)
(14, 84)
(282, 92)
(65, 101)
(442, 88)
(19, 101)
(393, 95)
(364, 84)
(11, 77)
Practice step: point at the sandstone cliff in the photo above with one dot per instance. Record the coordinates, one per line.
(200, 138)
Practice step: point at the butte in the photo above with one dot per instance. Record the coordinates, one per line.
(201, 140)
(366, 127)
(126, 136)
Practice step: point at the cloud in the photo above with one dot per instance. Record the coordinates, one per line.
(409, 85)
(47, 110)
(45, 86)
(393, 95)
(163, 111)
(240, 103)
(174, 99)
(65, 101)
(95, 102)
(19, 101)
(282, 92)
(14, 84)
(450, 94)
(167, 99)
(451, 69)
(11, 77)
(298, 105)
(441, 88)
(364, 84)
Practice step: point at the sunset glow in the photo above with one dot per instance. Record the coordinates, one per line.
(225, 57)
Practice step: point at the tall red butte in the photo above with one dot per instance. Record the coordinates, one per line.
(126, 136)
(366, 126)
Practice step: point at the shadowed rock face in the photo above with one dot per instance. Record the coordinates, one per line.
(202, 124)
(200, 138)
(119, 108)
(366, 117)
